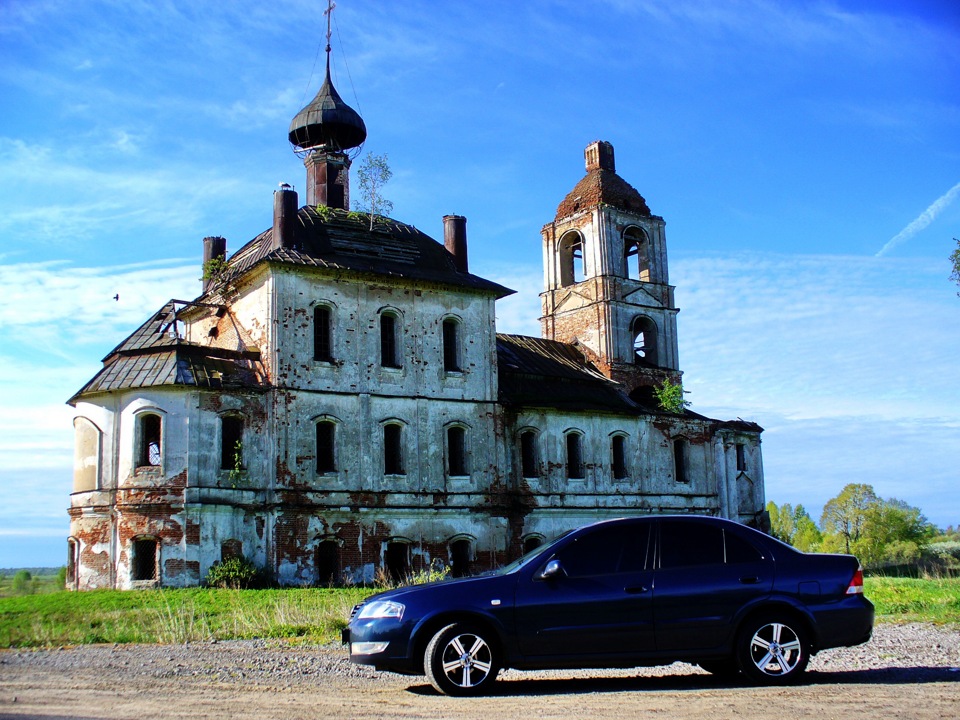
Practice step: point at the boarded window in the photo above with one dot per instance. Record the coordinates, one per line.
(680, 461)
(322, 334)
(618, 458)
(460, 556)
(144, 559)
(231, 549)
(397, 561)
(574, 456)
(148, 452)
(326, 447)
(393, 450)
(456, 451)
(328, 563)
(231, 442)
(451, 345)
(529, 460)
(389, 345)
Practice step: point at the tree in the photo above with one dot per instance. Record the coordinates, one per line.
(669, 396)
(846, 514)
(955, 264)
(372, 175)
(794, 526)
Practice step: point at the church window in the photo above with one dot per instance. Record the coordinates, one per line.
(529, 460)
(397, 560)
(741, 458)
(327, 562)
(322, 334)
(636, 253)
(456, 451)
(618, 457)
(326, 447)
(389, 340)
(393, 450)
(645, 341)
(149, 429)
(680, 460)
(231, 442)
(531, 543)
(574, 456)
(144, 565)
(460, 557)
(451, 345)
(572, 269)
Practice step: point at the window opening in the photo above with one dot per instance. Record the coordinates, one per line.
(231, 442)
(389, 350)
(574, 456)
(150, 430)
(322, 334)
(456, 452)
(231, 549)
(741, 458)
(144, 559)
(73, 553)
(570, 252)
(532, 542)
(327, 560)
(392, 450)
(398, 567)
(460, 558)
(618, 457)
(680, 460)
(636, 255)
(644, 341)
(451, 345)
(529, 465)
(326, 447)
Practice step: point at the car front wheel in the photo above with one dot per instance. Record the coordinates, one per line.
(773, 650)
(461, 660)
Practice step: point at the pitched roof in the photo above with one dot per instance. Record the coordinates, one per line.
(155, 355)
(341, 240)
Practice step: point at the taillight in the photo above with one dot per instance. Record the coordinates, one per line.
(856, 584)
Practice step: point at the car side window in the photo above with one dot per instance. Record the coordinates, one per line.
(607, 550)
(739, 550)
(684, 544)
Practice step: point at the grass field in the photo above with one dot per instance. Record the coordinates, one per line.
(310, 615)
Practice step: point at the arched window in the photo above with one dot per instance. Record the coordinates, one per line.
(231, 442)
(390, 340)
(570, 251)
(529, 457)
(149, 437)
(393, 449)
(645, 341)
(87, 452)
(461, 556)
(327, 562)
(532, 542)
(636, 255)
(396, 559)
(618, 457)
(326, 447)
(680, 460)
(575, 456)
(323, 333)
(451, 345)
(456, 451)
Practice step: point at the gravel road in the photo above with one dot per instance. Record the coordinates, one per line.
(906, 671)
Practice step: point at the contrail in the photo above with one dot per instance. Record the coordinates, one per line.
(924, 219)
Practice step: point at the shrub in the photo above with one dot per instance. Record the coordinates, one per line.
(21, 582)
(236, 573)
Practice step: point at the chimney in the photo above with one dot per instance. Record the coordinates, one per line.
(455, 239)
(214, 248)
(328, 179)
(285, 206)
(599, 155)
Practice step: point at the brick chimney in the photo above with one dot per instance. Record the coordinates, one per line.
(599, 155)
(214, 248)
(285, 206)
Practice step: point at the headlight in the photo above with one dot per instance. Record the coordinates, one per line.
(381, 609)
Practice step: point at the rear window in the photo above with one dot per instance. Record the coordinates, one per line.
(685, 543)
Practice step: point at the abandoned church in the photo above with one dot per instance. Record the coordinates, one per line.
(337, 402)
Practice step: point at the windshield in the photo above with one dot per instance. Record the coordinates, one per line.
(528, 556)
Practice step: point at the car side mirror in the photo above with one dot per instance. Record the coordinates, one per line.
(552, 570)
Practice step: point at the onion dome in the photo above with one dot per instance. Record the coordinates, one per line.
(327, 122)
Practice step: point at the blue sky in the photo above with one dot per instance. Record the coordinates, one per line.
(805, 156)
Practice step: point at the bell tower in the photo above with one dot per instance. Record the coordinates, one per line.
(606, 286)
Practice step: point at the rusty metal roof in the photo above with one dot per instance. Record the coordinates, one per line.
(156, 355)
(340, 240)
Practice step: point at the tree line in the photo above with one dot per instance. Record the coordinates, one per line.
(885, 534)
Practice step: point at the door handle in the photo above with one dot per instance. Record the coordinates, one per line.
(637, 590)
(750, 580)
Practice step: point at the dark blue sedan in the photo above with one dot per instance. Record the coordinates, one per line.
(623, 593)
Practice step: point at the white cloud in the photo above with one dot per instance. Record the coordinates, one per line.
(922, 220)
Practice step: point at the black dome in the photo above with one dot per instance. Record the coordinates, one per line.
(327, 122)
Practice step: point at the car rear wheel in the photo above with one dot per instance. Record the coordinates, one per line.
(773, 650)
(461, 660)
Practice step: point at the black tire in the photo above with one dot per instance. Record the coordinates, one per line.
(723, 668)
(461, 660)
(773, 649)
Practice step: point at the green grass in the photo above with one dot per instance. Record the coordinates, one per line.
(308, 615)
(915, 600)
